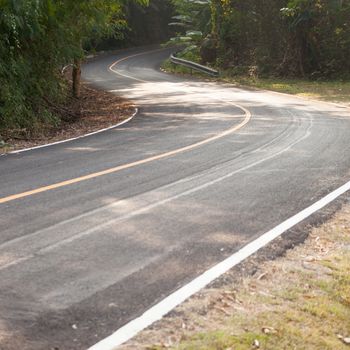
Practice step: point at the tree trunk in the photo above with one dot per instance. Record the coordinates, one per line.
(216, 17)
(76, 76)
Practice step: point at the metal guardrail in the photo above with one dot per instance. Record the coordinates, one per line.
(193, 66)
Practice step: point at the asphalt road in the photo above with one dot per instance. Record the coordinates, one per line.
(223, 165)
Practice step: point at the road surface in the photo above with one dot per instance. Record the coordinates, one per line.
(201, 170)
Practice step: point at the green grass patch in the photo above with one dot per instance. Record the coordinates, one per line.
(223, 340)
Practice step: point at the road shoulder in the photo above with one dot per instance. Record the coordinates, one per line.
(280, 298)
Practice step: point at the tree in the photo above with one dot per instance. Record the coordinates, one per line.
(318, 35)
(39, 37)
(309, 38)
(84, 20)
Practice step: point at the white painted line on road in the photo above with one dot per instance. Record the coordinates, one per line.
(159, 310)
(111, 68)
(74, 138)
(167, 200)
(5, 246)
(247, 117)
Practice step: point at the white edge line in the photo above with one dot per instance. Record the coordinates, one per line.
(162, 308)
(74, 138)
(91, 133)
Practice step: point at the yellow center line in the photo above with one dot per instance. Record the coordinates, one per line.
(247, 117)
(126, 58)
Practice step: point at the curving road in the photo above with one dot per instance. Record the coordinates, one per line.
(201, 170)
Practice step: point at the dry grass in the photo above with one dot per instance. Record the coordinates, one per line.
(299, 301)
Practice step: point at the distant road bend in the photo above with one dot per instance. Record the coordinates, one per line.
(202, 170)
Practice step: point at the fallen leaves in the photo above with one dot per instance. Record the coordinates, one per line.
(278, 306)
(256, 344)
(345, 340)
(96, 110)
(268, 330)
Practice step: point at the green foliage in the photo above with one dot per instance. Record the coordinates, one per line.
(307, 38)
(149, 25)
(319, 35)
(37, 38)
(145, 25)
(192, 21)
(295, 38)
(192, 15)
(190, 53)
(27, 55)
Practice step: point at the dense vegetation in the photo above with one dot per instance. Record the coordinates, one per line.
(294, 38)
(39, 37)
(146, 25)
(307, 38)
